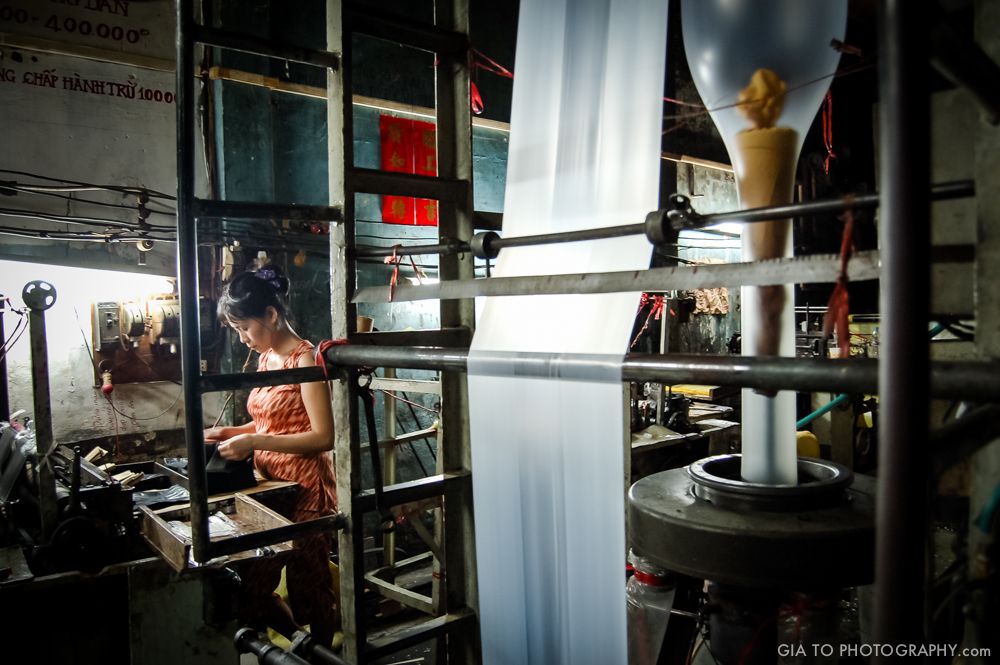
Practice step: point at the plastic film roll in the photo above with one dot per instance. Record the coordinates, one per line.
(548, 448)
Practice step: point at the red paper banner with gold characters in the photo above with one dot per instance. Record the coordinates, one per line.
(408, 146)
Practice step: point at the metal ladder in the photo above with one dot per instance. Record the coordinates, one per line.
(448, 39)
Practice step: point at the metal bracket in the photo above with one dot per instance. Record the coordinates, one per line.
(663, 225)
(482, 247)
(680, 214)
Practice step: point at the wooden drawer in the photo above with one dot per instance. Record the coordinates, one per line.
(168, 530)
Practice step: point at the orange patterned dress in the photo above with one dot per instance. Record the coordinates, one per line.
(280, 410)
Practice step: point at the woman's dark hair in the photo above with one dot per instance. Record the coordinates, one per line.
(250, 294)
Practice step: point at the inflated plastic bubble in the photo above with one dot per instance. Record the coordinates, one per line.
(762, 68)
(726, 41)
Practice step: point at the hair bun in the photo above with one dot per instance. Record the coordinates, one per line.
(271, 274)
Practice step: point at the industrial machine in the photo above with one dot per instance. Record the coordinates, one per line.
(766, 550)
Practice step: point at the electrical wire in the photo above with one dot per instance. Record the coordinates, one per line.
(416, 420)
(89, 186)
(82, 236)
(157, 416)
(403, 399)
(13, 186)
(86, 344)
(114, 417)
(229, 397)
(15, 336)
(79, 219)
(151, 368)
(703, 110)
(413, 451)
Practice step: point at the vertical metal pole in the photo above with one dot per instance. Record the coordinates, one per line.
(985, 464)
(391, 452)
(347, 447)
(454, 146)
(904, 378)
(664, 327)
(4, 397)
(43, 408)
(187, 280)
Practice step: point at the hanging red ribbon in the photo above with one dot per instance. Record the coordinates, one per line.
(320, 353)
(480, 60)
(838, 309)
(483, 61)
(477, 99)
(827, 113)
(394, 261)
(655, 312)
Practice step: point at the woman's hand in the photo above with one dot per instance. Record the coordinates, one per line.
(239, 447)
(217, 434)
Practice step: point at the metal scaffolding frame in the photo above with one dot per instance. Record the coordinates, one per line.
(448, 39)
(904, 374)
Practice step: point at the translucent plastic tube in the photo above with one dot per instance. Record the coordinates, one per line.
(547, 452)
(726, 42)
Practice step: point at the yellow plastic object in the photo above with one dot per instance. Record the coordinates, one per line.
(690, 390)
(280, 640)
(806, 444)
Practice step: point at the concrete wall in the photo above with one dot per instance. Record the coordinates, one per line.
(107, 123)
(79, 410)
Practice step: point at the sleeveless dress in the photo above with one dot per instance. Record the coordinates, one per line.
(280, 410)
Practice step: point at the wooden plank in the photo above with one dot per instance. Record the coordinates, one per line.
(389, 444)
(256, 516)
(407, 597)
(402, 566)
(406, 385)
(425, 535)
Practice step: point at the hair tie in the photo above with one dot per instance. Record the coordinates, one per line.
(270, 276)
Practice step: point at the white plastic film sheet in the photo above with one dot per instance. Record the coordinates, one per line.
(548, 437)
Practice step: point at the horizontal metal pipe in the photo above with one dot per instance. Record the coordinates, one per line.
(408, 492)
(939, 192)
(207, 208)
(257, 46)
(252, 541)
(248, 640)
(404, 30)
(797, 270)
(972, 381)
(214, 383)
(570, 236)
(459, 620)
(373, 181)
(456, 247)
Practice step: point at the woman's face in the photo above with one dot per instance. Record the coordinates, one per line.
(257, 333)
